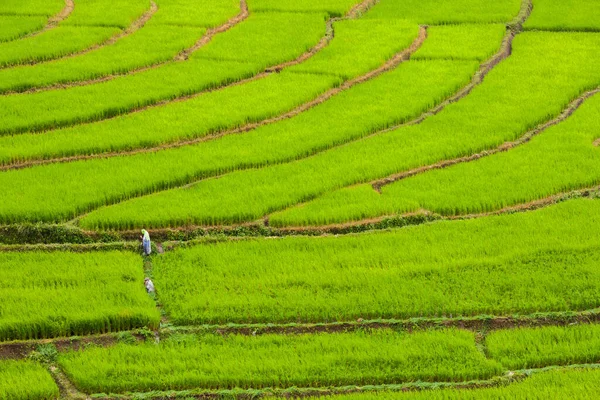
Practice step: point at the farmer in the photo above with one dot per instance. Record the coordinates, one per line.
(146, 242)
(149, 285)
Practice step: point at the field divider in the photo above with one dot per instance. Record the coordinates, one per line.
(482, 324)
(65, 386)
(135, 26)
(391, 64)
(566, 113)
(54, 20)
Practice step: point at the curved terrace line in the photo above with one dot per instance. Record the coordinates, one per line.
(55, 20)
(391, 64)
(135, 26)
(566, 113)
(513, 29)
(269, 70)
(181, 56)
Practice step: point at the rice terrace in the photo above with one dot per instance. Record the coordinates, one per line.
(285, 199)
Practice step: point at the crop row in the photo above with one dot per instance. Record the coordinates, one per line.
(358, 358)
(256, 43)
(543, 261)
(26, 380)
(159, 40)
(62, 294)
(545, 72)
(90, 23)
(560, 159)
(262, 40)
(416, 87)
(44, 8)
(223, 109)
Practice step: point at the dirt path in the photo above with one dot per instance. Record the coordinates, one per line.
(55, 20)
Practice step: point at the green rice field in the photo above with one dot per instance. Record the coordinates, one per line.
(345, 199)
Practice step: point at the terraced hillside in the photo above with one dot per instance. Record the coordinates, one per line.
(348, 200)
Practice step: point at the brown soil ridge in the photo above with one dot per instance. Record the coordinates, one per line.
(135, 26)
(566, 113)
(55, 20)
(182, 56)
(478, 323)
(66, 388)
(389, 65)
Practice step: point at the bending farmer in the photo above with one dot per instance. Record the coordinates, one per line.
(146, 242)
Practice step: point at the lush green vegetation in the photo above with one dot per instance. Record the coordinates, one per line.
(217, 362)
(52, 44)
(576, 384)
(25, 380)
(262, 40)
(416, 87)
(61, 294)
(561, 15)
(15, 26)
(489, 116)
(538, 263)
(539, 347)
(209, 113)
(560, 159)
(461, 42)
(225, 109)
(447, 12)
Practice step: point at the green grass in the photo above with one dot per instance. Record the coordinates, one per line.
(436, 12)
(45, 8)
(335, 8)
(263, 39)
(539, 264)
(15, 26)
(25, 380)
(54, 294)
(360, 46)
(461, 42)
(540, 347)
(576, 384)
(560, 15)
(212, 112)
(280, 361)
(559, 160)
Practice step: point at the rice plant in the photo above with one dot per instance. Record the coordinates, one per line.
(44, 8)
(26, 380)
(279, 361)
(517, 264)
(262, 40)
(564, 15)
(54, 294)
(560, 159)
(15, 26)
